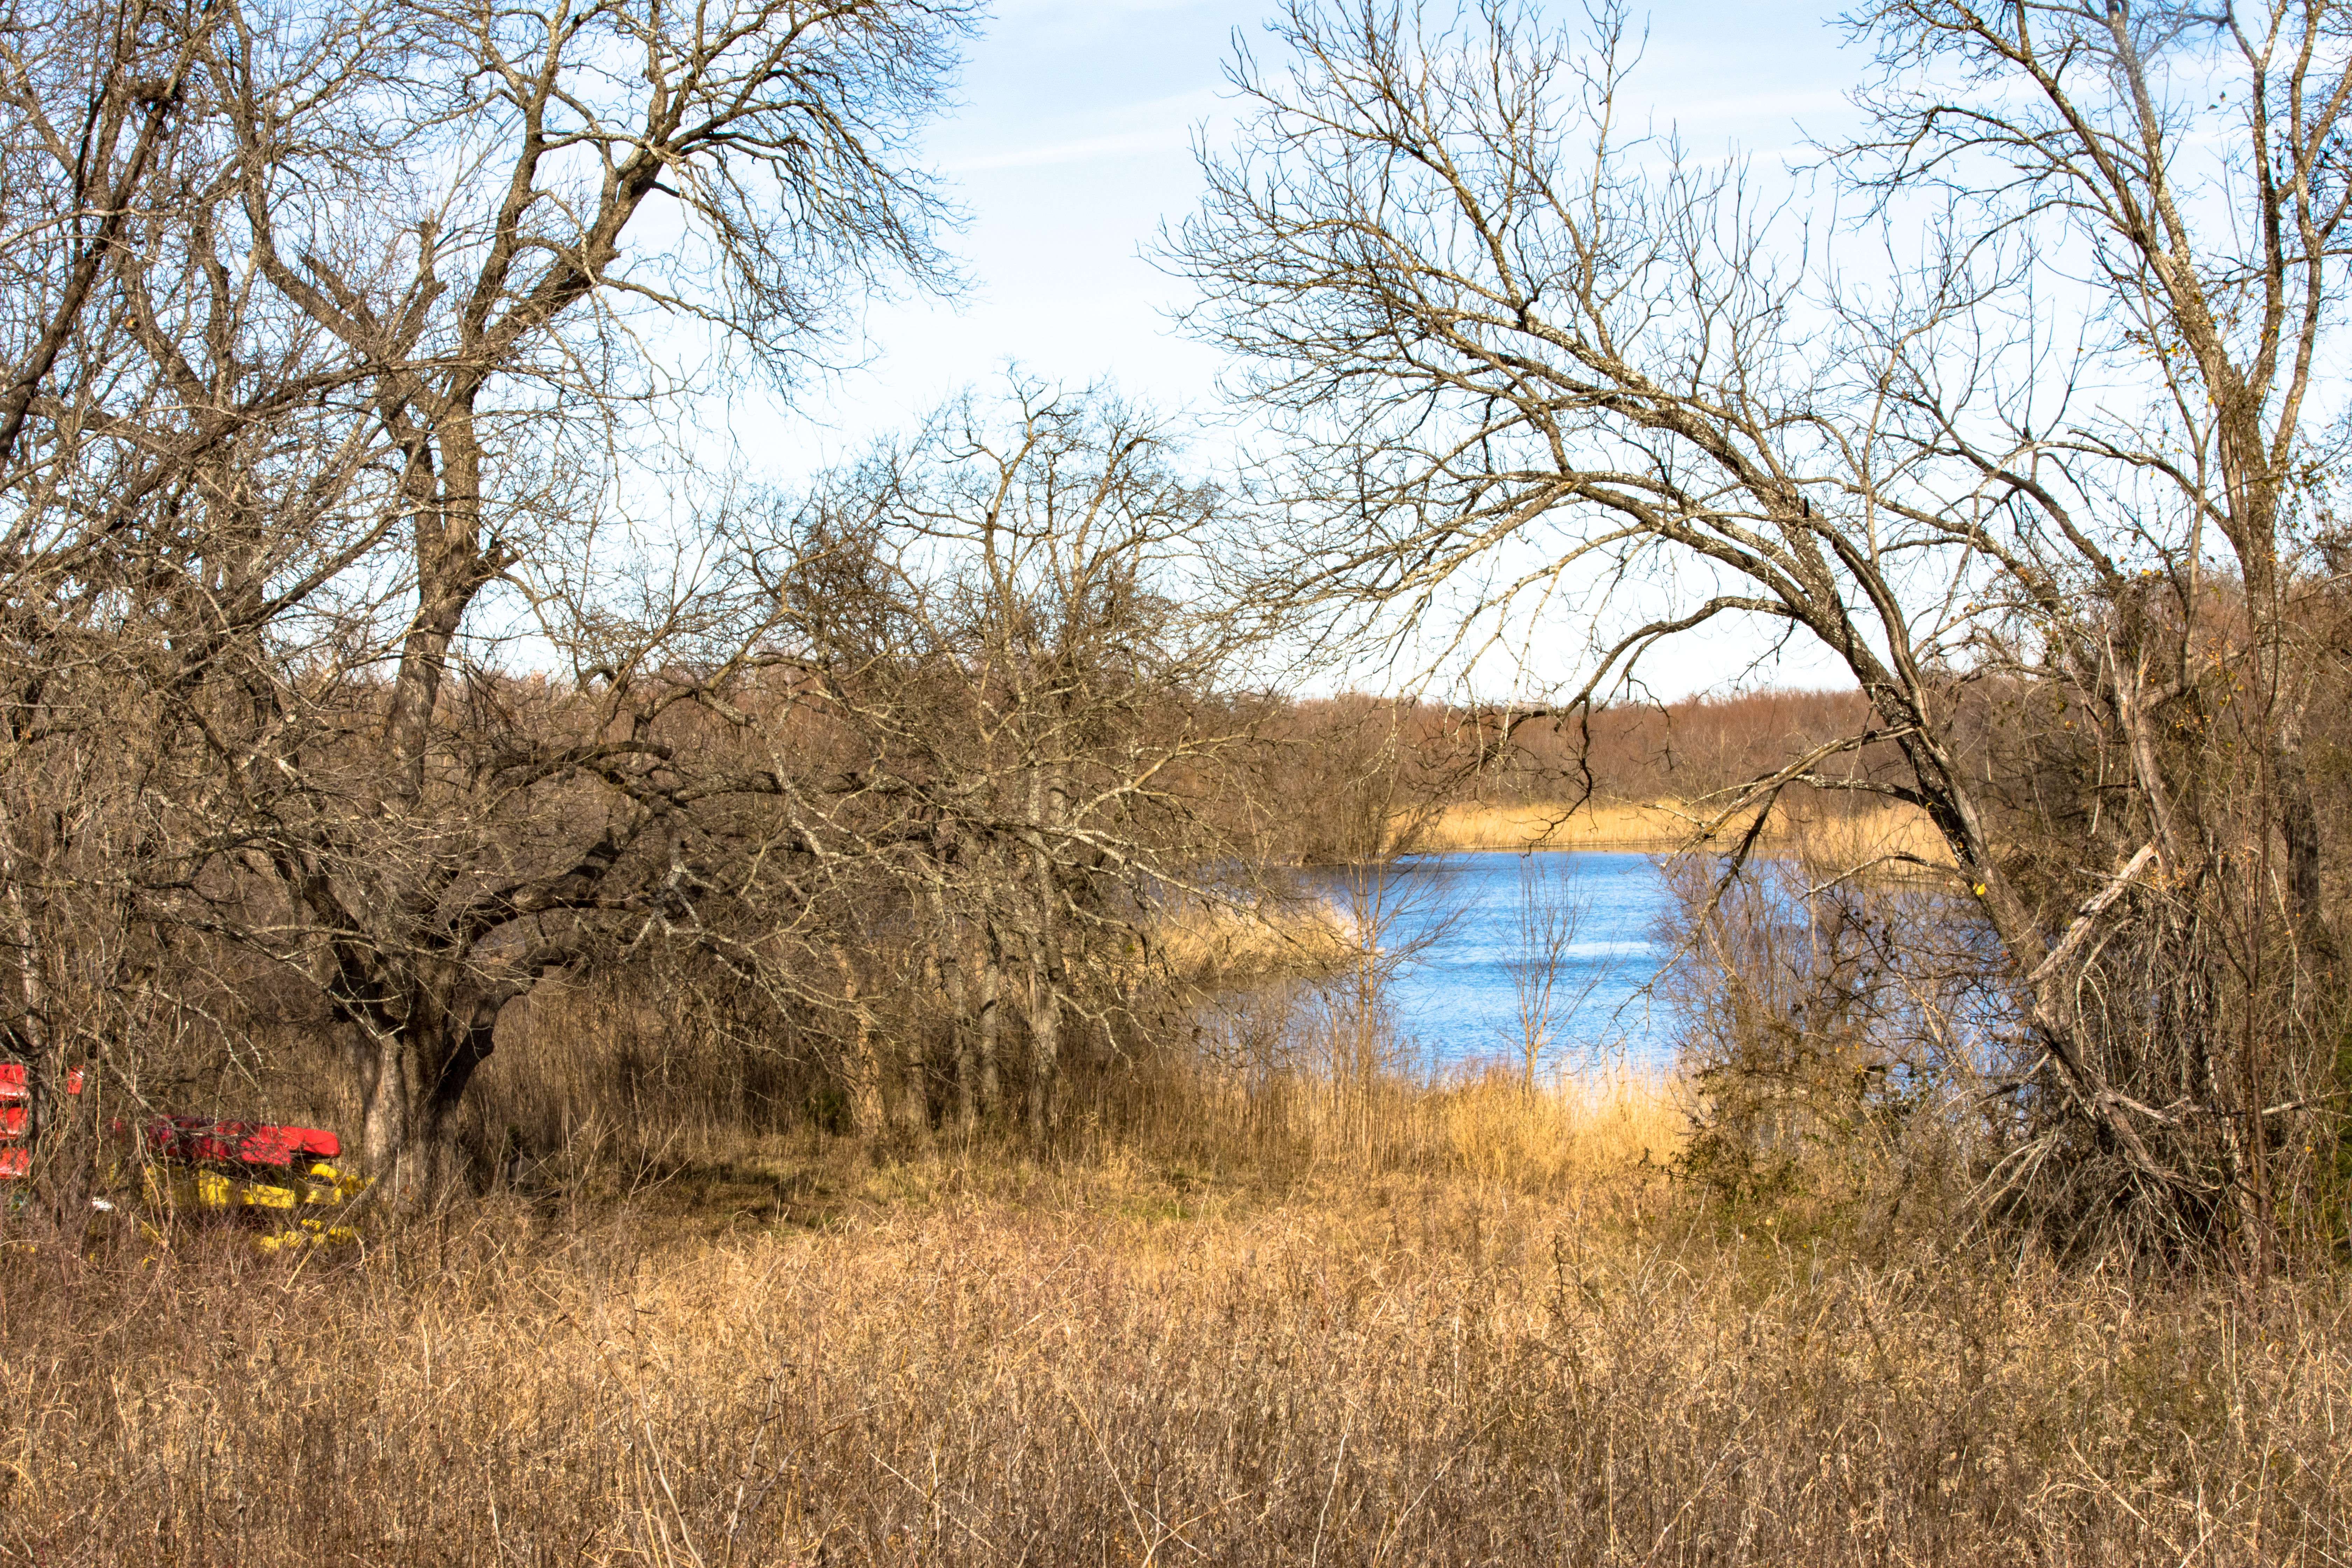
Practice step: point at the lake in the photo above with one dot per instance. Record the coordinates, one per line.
(1468, 923)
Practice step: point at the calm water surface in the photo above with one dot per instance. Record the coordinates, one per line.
(1457, 999)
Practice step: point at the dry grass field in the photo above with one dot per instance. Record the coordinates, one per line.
(1319, 1324)
(1855, 839)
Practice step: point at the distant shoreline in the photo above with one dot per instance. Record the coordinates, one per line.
(1665, 827)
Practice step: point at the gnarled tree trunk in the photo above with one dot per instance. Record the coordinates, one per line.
(412, 1077)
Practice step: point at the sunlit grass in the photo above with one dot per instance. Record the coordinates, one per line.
(1220, 944)
(1500, 1334)
(1849, 840)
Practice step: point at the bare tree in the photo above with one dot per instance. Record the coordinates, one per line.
(1545, 990)
(376, 335)
(1516, 358)
(1007, 619)
(98, 566)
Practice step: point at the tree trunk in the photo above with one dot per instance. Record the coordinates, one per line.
(1044, 1041)
(1044, 960)
(860, 1072)
(411, 1079)
(914, 1066)
(991, 1023)
(2298, 822)
(948, 959)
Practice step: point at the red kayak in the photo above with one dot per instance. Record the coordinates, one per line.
(195, 1139)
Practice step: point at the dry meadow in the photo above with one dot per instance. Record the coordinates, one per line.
(1448, 1324)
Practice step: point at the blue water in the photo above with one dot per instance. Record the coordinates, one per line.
(1461, 929)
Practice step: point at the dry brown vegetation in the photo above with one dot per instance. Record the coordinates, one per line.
(1670, 825)
(1356, 776)
(1235, 1331)
(827, 1096)
(1262, 1298)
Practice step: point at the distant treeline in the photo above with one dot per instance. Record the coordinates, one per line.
(1348, 777)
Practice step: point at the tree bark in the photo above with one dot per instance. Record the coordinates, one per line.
(989, 1026)
(914, 1063)
(947, 956)
(1044, 957)
(412, 1079)
(860, 1072)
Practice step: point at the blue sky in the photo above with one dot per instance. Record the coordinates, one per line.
(1073, 146)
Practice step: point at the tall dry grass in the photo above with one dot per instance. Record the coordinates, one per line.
(1555, 826)
(1268, 1299)
(1852, 839)
(1307, 1124)
(1215, 946)
(961, 1361)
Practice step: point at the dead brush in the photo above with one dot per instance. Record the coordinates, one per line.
(1056, 1367)
(1253, 1307)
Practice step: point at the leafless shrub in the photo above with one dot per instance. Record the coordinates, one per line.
(1825, 1027)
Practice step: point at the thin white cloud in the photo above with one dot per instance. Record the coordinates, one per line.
(1688, 111)
(1163, 138)
(1152, 125)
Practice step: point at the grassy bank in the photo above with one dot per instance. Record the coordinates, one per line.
(1319, 1323)
(1668, 824)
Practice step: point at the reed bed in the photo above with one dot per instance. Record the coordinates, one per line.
(1219, 945)
(1854, 838)
(1555, 826)
(1333, 1128)
(1502, 1335)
